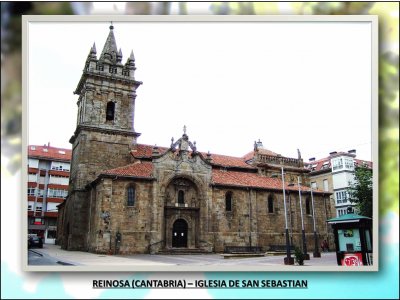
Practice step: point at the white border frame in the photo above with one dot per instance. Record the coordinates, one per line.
(209, 18)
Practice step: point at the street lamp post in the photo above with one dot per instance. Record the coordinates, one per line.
(290, 219)
(306, 256)
(288, 259)
(316, 252)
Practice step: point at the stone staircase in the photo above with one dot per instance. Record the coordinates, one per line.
(183, 251)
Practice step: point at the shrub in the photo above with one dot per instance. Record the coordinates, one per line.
(298, 256)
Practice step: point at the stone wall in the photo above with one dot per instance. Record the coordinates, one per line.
(271, 225)
(210, 225)
(250, 215)
(132, 222)
(93, 152)
(75, 221)
(96, 151)
(92, 104)
(230, 227)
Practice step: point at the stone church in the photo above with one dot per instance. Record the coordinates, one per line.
(126, 197)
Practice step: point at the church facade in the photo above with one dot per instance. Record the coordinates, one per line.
(126, 197)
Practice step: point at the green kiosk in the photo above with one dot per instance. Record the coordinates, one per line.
(353, 239)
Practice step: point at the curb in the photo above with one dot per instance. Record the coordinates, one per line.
(58, 262)
(36, 252)
(242, 255)
(64, 263)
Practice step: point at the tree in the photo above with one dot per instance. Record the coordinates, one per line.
(360, 191)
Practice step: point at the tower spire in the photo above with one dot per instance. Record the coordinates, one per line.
(92, 54)
(93, 50)
(132, 57)
(110, 49)
(130, 62)
(119, 56)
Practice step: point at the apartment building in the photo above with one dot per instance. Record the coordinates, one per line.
(334, 174)
(48, 178)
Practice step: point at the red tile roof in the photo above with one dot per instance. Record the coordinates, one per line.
(242, 179)
(228, 161)
(251, 154)
(219, 177)
(145, 151)
(318, 165)
(138, 169)
(361, 162)
(53, 153)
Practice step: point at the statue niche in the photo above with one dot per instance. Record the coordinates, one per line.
(181, 192)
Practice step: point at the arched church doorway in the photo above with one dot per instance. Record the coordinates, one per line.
(182, 213)
(179, 234)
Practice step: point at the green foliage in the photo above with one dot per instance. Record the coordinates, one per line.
(360, 192)
(298, 256)
(388, 90)
(389, 171)
(336, 8)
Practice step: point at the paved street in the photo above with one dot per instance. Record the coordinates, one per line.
(38, 259)
(53, 254)
(217, 259)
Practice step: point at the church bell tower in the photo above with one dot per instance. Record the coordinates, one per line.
(107, 91)
(104, 132)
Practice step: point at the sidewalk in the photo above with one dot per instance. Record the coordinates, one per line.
(80, 258)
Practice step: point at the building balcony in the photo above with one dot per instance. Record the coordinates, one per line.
(59, 173)
(32, 184)
(57, 186)
(51, 214)
(33, 170)
(55, 200)
(33, 198)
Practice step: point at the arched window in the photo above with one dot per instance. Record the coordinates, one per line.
(308, 207)
(110, 111)
(130, 201)
(270, 204)
(228, 201)
(181, 197)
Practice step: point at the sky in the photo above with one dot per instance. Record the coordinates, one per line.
(299, 85)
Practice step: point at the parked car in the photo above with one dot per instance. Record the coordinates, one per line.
(35, 241)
